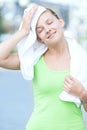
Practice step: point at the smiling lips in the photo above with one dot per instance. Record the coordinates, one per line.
(51, 35)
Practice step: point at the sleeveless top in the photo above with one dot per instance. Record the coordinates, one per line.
(51, 113)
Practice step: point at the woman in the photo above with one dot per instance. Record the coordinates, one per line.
(50, 112)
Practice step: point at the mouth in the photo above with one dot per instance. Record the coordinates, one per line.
(51, 35)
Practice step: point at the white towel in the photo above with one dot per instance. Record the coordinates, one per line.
(70, 98)
(29, 49)
(78, 69)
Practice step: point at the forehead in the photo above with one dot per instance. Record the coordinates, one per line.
(44, 16)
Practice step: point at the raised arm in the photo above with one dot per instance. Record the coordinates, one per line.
(11, 61)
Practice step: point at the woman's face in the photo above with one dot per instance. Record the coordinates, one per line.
(49, 29)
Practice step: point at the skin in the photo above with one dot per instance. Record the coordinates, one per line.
(49, 30)
(11, 61)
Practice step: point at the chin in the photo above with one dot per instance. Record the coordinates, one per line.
(55, 40)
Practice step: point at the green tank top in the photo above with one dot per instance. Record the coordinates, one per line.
(51, 113)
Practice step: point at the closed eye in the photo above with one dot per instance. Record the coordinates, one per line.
(49, 22)
(39, 30)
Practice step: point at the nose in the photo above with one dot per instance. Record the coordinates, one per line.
(47, 30)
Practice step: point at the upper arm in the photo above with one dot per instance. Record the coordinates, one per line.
(11, 62)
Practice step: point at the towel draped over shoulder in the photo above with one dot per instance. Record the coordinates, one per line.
(30, 50)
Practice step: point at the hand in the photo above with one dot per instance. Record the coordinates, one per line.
(26, 21)
(73, 86)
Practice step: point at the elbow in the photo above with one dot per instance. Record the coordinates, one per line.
(1, 62)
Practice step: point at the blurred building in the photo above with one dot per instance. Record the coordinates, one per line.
(72, 11)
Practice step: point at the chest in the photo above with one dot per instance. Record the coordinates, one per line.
(48, 81)
(58, 63)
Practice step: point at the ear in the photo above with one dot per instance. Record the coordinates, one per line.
(62, 23)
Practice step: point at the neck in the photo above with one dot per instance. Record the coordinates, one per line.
(59, 48)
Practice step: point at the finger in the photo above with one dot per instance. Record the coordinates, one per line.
(67, 84)
(30, 7)
(66, 88)
(28, 16)
(30, 12)
(71, 77)
(68, 79)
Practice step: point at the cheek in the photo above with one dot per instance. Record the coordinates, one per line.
(41, 36)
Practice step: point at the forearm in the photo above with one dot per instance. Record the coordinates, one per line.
(7, 46)
(83, 98)
(24, 29)
(85, 106)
